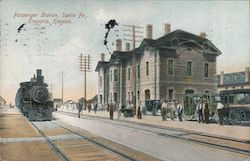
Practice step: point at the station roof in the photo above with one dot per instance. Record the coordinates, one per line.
(170, 41)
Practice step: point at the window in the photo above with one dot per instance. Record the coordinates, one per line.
(206, 70)
(138, 71)
(189, 68)
(115, 75)
(231, 99)
(101, 99)
(147, 70)
(107, 80)
(129, 96)
(138, 95)
(189, 92)
(189, 49)
(128, 73)
(240, 98)
(226, 100)
(115, 97)
(110, 75)
(247, 98)
(170, 94)
(171, 67)
(147, 94)
(100, 80)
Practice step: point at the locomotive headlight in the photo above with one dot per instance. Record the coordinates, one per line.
(39, 93)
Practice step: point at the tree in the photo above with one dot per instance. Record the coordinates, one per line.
(94, 99)
(82, 101)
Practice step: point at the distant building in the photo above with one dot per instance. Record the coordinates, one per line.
(234, 81)
(2, 101)
(70, 105)
(57, 102)
(169, 67)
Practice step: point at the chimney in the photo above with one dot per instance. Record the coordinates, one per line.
(167, 28)
(203, 34)
(118, 45)
(247, 74)
(149, 31)
(127, 46)
(102, 57)
(222, 78)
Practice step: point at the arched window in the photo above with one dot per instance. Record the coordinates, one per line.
(170, 67)
(170, 94)
(189, 92)
(189, 68)
(147, 69)
(128, 73)
(206, 70)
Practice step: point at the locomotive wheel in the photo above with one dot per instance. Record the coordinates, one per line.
(237, 117)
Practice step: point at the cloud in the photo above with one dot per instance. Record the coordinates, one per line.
(102, 15)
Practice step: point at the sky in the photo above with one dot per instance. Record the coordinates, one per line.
(60, 30)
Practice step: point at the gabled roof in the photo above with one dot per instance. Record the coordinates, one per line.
(170, 41)
(179, 38)
(101, 64)
(121, 54)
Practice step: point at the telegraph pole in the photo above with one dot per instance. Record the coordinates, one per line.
(133, 33)
(85, 66)
(62, 87)
(51, 94)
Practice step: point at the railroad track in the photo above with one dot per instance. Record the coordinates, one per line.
(215, 142)
(52, 145)
(124, 156)
(227, 144)
(63, 151)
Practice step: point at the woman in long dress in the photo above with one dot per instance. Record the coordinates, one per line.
(206, 112)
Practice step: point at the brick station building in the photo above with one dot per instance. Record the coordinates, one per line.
(169, 67)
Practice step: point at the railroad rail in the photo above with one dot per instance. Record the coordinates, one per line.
(64, 155)
(223, 143)
(52, 145)
(121, 155)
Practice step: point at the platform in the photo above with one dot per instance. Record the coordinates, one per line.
(213, 129)
(22, 140)
(19, 140)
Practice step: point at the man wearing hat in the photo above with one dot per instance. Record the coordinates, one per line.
(179, 110)
(219, 111)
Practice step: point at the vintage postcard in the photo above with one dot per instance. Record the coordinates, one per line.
(109, 80)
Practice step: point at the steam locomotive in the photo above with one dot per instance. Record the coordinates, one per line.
(32, 99)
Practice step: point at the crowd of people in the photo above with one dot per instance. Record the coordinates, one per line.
(167, 107)
(170, 107)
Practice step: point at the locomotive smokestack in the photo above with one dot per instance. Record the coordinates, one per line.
(38, 72)
(40, 78)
